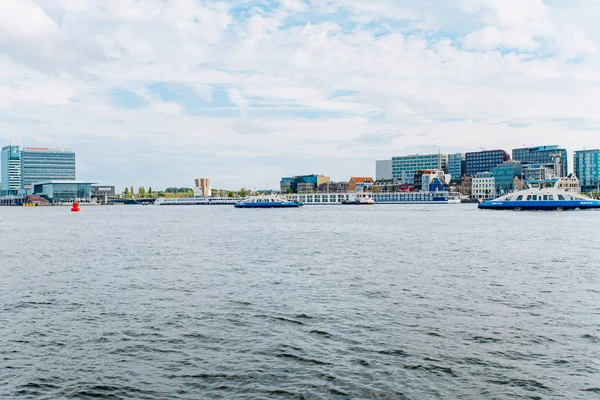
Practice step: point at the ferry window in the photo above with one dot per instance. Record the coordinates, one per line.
(551, 197)
(528, 197)
(534, 197)
(519, 197)
(545, 197)
(561, 197)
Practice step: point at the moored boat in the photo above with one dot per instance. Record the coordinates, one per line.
(360, 199)
(541, 198)
(269, 201)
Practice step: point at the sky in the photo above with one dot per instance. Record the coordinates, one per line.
(159, 92)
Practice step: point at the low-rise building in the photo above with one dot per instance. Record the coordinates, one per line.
(360, 184)
(332, 187)
(484, 186)
(64, 191)
(302, 183)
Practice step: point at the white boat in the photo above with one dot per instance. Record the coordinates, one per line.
(359, 199)
(378, 198)
(543, 197)
(267, 201)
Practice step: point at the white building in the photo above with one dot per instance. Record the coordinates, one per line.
(484, 186)
(383, 169)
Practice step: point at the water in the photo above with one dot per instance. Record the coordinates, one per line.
(322, 302)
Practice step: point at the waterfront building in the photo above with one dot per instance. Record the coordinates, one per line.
(465, 188)
(484, 161)
(456, 166)
(538, 172)
(45, 164)
(332, 187)
(360, 184)
(202, 188)
(586, 164)
(569, 183)
(505, 174)
(404, 168)
(543, 155)
(302, 183)
(484, 186)
(64, 191)
(386, 185)
(383, 169)
(10, 169)
(423, 180)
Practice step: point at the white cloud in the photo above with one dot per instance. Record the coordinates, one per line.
(254, 93)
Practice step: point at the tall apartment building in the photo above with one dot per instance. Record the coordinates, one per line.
(383, 170)
(202, 187)
(543, 155)
(405, 167)
(586, 165)
(10, 170)
(39, 164)
(456, 166)
(484, 161)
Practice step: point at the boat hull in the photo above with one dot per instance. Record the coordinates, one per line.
(540, 205)
(268, 205)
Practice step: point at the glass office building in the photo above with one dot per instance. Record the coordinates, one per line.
(64, 191)
(456, 166)
(43, 164)
(543, 155)
(10, 170)
(586, 165)
(485, 161)
(405, 167)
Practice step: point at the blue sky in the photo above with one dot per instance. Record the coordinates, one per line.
(159, 92)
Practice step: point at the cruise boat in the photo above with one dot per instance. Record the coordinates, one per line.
(541, 198)
(197, 201)
(441, 197)
(360, 199)
(269, 201)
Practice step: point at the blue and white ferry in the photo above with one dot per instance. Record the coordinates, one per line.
(542, 198)
(269, 201)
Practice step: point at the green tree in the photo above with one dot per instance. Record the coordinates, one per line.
(142, 192)
(150, 192)
(126, 193)
(243, 192)
(231, 194)
(131, 192)
(289, 191)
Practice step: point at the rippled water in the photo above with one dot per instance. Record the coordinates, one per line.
(330, 302)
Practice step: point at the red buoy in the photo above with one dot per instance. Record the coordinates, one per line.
(75, 207)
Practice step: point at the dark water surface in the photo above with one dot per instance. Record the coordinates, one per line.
(330, 302)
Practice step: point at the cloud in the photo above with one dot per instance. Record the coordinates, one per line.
(248, 91)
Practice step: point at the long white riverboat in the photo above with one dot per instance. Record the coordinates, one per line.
(323, 199)
(198, 201)
(379, 198)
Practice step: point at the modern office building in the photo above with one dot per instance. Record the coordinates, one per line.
(484, 161)
(202, 187)
(586, 165)
(484, 186)
(404, 168)
(43, 164)
(67, 191)
(10, 170)
(456, 166)
(302, 183)
(383, 170)
(543, 155)
(505, 174)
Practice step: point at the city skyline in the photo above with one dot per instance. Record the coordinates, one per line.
(245, 92)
